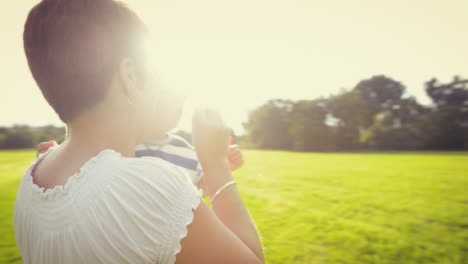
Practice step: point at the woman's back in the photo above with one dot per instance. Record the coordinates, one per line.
(88, 60)
(115, 210)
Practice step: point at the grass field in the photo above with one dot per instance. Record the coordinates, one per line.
(331, 208)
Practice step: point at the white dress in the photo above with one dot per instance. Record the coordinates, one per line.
(115, 210)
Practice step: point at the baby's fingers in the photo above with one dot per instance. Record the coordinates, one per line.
(45, 146)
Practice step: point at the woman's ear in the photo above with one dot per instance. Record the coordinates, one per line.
(128, 77)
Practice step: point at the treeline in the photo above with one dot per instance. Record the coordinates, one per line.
(376, 114)
(23, 136)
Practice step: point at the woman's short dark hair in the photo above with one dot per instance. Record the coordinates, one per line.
(74, 47)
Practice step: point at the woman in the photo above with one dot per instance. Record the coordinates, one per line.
(88, 200)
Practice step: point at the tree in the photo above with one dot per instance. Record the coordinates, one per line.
(308, 129)
(447, 123)
(19, 139)
(379, 93)
(350, 111)
(23, 136)
(374, 114)
(356, 109)
(267, 125)
(454, 93)
(399, 127)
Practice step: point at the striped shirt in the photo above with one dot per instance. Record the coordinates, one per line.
(175, 150)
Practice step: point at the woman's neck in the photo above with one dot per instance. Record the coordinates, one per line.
(93, 136)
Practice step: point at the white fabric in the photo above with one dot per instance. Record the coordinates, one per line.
(164, 145)
(155, 148)
(115, 210)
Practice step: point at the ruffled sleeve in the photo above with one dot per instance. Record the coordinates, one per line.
(149, 204)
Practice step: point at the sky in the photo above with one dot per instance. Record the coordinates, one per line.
(235, 55)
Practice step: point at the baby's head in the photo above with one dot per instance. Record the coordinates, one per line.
(170, 108)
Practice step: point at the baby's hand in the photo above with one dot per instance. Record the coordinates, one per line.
(43, 147)
(235, 157)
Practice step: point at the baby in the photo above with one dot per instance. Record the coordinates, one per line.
(175, 149)
(170, 147)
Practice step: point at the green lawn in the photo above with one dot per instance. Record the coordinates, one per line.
(12, 166)
(331, 208)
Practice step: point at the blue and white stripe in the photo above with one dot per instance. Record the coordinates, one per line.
(175, 150)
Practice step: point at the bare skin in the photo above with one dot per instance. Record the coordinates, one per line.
(235, 158)
(226, 234)
(231, 223)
